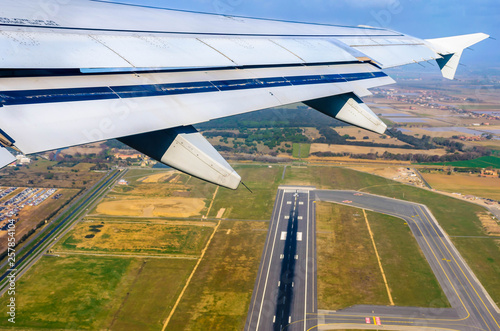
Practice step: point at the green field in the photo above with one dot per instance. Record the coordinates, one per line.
(241, 204)
(154, 287)
(219, 295)
(301, 151)
(482, 162)
(408, 273)
(88, 293)
(75, 293)
(348, 272)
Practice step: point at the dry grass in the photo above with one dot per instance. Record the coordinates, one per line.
(218, 296)
(152, 207)
(365, 150)
(156, 178)
(465, 184)
(137, 238)
(383, 171)
(373, 137)
(490, 225)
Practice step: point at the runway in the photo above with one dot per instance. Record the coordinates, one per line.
(285, 289)
(272, 301)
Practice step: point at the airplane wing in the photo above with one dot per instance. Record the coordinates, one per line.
(84, 71)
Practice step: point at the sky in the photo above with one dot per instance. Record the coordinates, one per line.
(419, 18)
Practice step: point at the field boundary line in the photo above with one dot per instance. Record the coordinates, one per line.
(211, 203)
(378, 259)
(145, 256)
(190, 276)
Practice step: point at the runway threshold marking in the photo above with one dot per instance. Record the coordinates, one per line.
(378, 259)
(468, 280)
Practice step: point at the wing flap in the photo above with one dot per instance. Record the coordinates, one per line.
(40, 120)
(185, 149)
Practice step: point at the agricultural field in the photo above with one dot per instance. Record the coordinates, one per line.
(482, 162)
(157, 193)
(89, 293)
(43, 173)
(219, 294)
(109, 236)
(369, 149)
(348, 272)
(465, 183)
(301, 151)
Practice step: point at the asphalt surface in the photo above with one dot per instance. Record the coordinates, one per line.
(285, 289)
(472, 308)
(276, 305)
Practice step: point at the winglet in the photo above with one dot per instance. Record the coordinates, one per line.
(451, 50)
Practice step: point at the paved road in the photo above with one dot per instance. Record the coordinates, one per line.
(472, 307)
(285, 289)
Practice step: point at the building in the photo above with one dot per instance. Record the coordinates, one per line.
(126, 156)
(21, 159)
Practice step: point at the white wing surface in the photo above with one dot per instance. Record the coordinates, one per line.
(88, 71)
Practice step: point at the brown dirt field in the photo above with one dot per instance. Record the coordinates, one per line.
(491, 226)
(365, 150)
(147, 207)
(312, 133)
(156, 178)
(84, 149)
(465, 184)
(386, 171)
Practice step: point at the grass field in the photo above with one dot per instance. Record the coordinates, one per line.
(348, 272)
(241, 204)
(482, 162)
(89, 293)
(219, 295)
(301, 151)
(152, 289)
(136, 238)
(465, 184)
(408, 273)
(68, 293)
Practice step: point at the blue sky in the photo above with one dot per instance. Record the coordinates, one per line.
(420, 18)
